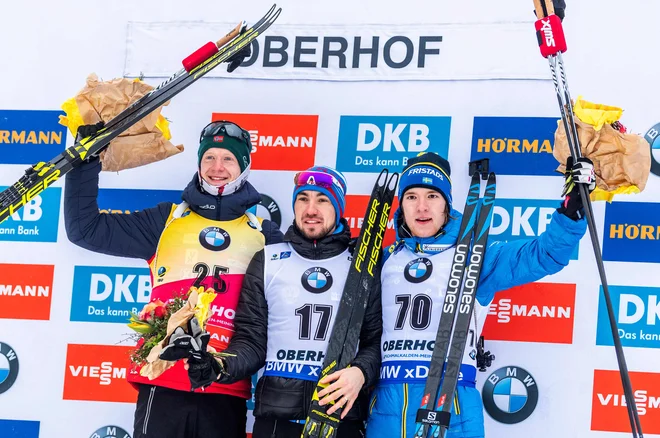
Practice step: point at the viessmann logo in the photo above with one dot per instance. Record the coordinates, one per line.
(535, 312)
(356, 207)
(632, 232)
(98, 373)
(279, 141)
(25, 291)
(608, 406)
(516, 145)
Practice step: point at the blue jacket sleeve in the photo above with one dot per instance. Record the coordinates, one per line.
(271, 232)
(125, 235)
(522, 261)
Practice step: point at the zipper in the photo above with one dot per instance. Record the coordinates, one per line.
(274, 435)
(152, 392)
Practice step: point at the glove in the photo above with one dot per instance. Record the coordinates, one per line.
(484, 358)
(560, 8)
(237, 58)
(582, 172)
(203, 368)
(85, 131)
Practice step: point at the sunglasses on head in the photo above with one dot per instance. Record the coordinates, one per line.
(223, 127)
(320, 179)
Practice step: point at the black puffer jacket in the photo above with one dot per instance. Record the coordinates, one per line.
(288, 398)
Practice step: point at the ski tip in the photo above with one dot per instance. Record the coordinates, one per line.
(394, 180)
(382, 177)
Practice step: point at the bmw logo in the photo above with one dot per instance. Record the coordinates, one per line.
(418, 270)
(653, 137)
(214, 238)
(8, 367)
(510, 395)
(316, 280)
(267, 207)
(110, 432)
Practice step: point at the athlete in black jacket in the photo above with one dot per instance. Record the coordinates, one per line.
(286, 311)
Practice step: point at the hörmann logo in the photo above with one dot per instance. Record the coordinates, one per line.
(108, 294)
(37, 221)
(534, 312)
(515, 219)
(279, 141)
(638, 317)
(608, 409)
(25, 291)
(369, 143)
(632, 232)
(516, 145)
(27, 137)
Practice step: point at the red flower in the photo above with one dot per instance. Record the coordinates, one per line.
(159, 312)
(145, 314)
(140, 343)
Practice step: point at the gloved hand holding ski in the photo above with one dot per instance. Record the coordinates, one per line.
(232, 48)
(580, 172)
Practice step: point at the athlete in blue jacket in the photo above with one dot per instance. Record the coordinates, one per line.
(414, 281)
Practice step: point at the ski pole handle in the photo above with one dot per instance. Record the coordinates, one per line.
(544, 8)
(550, 35)
(209, 49)
(549, 31)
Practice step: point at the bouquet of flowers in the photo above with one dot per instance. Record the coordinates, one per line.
(157, 321)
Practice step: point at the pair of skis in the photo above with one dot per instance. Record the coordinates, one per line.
(363, 276)
(434, 413)
(552, 44)
(41, 175)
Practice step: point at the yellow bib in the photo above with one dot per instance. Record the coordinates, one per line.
(195, 251)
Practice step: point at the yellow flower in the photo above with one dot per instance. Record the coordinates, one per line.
(203, 306)
(140, 327)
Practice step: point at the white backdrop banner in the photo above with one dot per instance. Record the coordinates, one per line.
(360, 52)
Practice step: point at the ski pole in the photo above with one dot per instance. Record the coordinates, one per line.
(553, 44)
